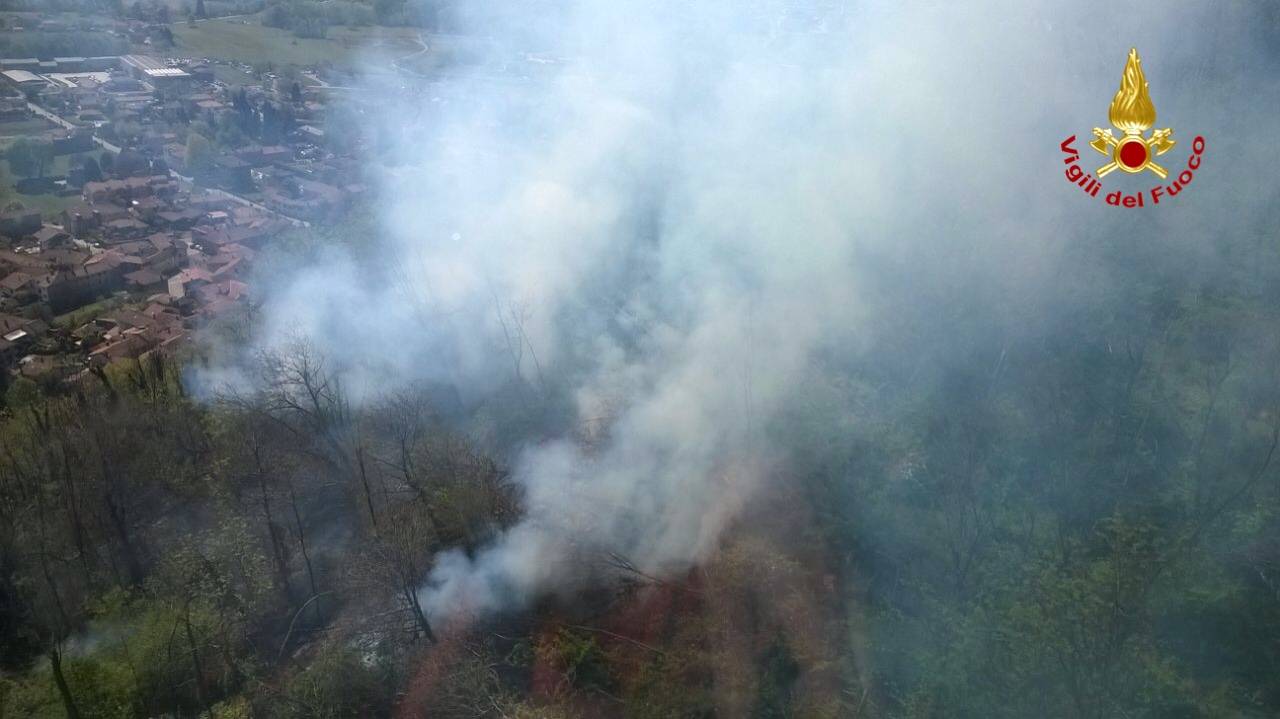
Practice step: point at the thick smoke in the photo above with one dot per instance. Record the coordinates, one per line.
(668, 212)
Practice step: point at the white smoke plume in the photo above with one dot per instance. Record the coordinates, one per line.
(662, 211)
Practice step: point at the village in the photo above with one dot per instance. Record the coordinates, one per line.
(172, 181)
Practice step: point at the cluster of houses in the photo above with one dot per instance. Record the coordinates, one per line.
(155, 243)
(148, 105)
(169, 256)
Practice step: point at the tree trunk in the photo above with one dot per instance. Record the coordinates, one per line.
(68, 703)
(418, 615)
(273, 530)
(201, 696)
(302, 544)
(131, 562)
(116, 513)
(368, 495)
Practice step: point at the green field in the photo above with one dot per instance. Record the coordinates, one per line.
(60, 165)
(24, 128)
(244, 40)
(49, 206)
(233, 75)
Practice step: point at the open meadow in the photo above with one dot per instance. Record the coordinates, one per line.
(245, 40)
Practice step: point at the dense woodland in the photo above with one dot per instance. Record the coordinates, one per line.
(1067, 512)
(59, 44)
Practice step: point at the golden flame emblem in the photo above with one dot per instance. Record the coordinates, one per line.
(1133, 113)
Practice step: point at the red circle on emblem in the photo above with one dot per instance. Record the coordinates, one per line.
(1133, 154)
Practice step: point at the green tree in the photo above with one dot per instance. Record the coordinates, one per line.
(200, 154)
(131, 163)
(6, 184)
(21, 393)
(30, 158)
(336, 683)
(92, 171)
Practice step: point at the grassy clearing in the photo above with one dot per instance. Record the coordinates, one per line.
(49, 206)
(444, 51)
(61, 163)
(244, 40)
(233, 75)
(24, 128)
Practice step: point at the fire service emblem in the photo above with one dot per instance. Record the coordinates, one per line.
(1133, 152)
(1133, 113)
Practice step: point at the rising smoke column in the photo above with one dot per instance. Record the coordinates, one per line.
(684, 205)
(730, 259)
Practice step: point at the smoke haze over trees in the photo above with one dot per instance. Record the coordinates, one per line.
(706, 359)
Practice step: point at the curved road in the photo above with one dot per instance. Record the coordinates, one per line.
(396, 63)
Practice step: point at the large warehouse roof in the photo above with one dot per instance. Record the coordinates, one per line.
(153, 67)
(21, 77)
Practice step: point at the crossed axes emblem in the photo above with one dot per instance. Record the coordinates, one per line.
(1132, 152)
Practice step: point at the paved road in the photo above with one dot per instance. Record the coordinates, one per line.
(110, 147)
(227, 17)
(246, 202)
(49, 115)
(396, 63)
(241, 200)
